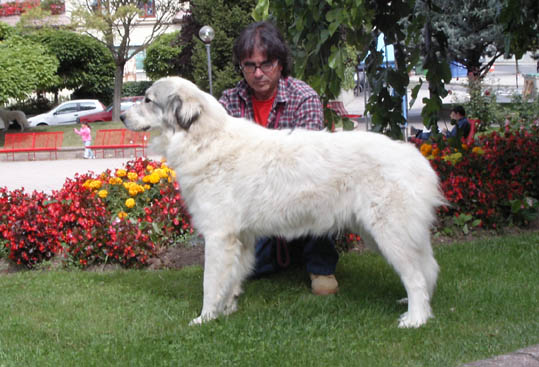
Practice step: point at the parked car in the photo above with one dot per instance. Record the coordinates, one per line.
(106, 115)
(67, 112)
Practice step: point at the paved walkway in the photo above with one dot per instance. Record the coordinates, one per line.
(527, 357)
(49, 175)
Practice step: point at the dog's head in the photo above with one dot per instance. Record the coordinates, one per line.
(170, 103)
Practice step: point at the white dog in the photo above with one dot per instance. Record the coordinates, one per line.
(241, 181)
(8, 117)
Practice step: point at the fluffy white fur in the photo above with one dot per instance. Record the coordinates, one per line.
(241, 181)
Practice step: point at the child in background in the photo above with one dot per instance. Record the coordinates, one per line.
(86, 134)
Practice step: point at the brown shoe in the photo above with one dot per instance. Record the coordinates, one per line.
(323, 285)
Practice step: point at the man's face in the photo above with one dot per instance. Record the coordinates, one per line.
(265, 78)
(454, 116)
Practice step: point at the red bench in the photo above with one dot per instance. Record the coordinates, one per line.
(33, 142)
(119, 140)
(340, 110)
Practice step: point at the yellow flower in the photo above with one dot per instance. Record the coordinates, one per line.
(147, 187)
(95, 184)
(122, 215)
(134, 190)
(102, 194)
(154, 178)
(149, 168)
(478, 150)
(121, 172)
(86, 184)
(453, 158)
(115, 180)
(161, 172)
(130, 203)
(132, 176)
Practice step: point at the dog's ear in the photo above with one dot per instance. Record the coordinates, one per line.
(183, 113)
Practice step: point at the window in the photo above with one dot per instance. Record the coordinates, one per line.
(85, 106)
(139, 60)
(68, 108)
(149, 8)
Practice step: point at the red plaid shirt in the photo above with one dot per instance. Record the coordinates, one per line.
(296, 105)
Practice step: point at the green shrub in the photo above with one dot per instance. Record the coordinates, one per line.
(135, 88)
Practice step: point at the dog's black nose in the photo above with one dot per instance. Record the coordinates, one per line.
(122, 117)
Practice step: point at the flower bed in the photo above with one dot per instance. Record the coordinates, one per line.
(121, 217)
(17, 7)
(128, 215)
(491, 184)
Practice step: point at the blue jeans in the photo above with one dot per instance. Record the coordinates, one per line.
(318, 254)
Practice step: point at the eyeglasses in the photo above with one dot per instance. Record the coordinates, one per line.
(266, 67)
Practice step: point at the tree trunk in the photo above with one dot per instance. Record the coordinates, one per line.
(118, 83)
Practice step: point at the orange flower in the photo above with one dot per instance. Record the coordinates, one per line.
(425, 149)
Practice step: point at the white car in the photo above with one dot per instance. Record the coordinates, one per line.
(67, 112)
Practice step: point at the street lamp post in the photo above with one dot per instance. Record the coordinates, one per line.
(206, 34)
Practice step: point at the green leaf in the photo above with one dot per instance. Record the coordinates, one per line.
(348, 124)
(261, 10)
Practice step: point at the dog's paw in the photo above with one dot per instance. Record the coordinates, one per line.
(408, 321)
(197, 321)
(204, 317)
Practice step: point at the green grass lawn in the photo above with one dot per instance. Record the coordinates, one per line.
(486, 304)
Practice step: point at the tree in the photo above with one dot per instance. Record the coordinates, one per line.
(472, 29)
(228, 18)
(86, 66)
(318, 33)
(520, 19)
(25, 67)
(162, 56)
(186, 54)
(112, 22)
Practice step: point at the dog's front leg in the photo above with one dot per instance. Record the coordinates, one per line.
(221, 276)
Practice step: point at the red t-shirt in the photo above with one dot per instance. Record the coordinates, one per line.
(262, 110)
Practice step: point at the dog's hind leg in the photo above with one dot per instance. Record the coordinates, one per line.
(223, 275)
(416, 267)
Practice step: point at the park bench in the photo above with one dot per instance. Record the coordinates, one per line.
(340, 110)
(32, 143)
(119, 140)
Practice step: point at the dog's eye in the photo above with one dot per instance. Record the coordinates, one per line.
(147, 100)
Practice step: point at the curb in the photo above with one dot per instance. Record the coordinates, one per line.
(527, 357)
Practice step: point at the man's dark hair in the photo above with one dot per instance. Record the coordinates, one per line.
(459, 109)
(265, 37)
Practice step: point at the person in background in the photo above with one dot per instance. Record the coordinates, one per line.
(268, 95)
(461, 129)
(86, 135)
